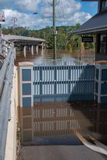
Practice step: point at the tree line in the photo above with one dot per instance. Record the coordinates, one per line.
(65, 39)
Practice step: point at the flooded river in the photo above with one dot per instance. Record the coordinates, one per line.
(89, 118)
(47, 55)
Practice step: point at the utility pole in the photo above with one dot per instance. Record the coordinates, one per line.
(54, 31)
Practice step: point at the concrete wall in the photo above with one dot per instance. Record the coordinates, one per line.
(11, 144)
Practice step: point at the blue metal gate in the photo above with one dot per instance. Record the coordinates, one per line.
(63, 82)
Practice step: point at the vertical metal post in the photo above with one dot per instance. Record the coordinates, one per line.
(69, 78)
(54, 31)
(41, 74)
(42, 49)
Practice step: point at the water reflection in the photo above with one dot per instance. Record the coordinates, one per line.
(62, 119)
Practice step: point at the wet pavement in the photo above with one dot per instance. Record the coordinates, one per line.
(56, 122)
(59, 153)
(63, 143)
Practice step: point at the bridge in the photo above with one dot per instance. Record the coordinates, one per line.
(25, 43)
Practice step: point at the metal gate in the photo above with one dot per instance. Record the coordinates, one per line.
(63, 82)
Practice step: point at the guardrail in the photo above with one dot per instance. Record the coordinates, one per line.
(6, 76)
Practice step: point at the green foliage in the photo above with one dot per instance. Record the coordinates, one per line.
(65, 39)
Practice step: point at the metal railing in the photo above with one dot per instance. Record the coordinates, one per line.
(6, 76)
(74, 81)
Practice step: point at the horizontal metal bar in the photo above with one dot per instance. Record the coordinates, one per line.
(64, 82)
(4, 68)
(60, 67)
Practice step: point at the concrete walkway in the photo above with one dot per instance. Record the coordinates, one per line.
(71, 152)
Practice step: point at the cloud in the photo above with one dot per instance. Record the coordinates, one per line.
(27, 5)
(23, 19)
(67, 12)
(20, 5)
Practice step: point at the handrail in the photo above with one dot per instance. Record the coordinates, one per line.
(4, 46)
(6, 53)
(6, 76)
(3, 70)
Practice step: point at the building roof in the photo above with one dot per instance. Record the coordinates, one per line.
(97, 23)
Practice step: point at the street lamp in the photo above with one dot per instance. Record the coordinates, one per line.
(14, 20)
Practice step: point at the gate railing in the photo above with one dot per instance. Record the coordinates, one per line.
(63, 82)
(6, 76)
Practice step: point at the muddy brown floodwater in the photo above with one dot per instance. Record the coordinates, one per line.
(47, 55)
(86, 117)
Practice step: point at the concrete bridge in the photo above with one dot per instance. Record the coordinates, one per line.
(25, 43)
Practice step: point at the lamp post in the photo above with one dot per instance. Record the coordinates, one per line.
(14, 20)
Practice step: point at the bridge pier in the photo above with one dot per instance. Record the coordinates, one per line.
(42, 49)
(29, 48)
(32, 50)
(15, 53)
(24, 51)
(37, 49)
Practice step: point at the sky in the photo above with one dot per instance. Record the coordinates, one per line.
(68, 12)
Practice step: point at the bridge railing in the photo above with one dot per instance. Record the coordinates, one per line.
(6, 76)
(6, 49)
